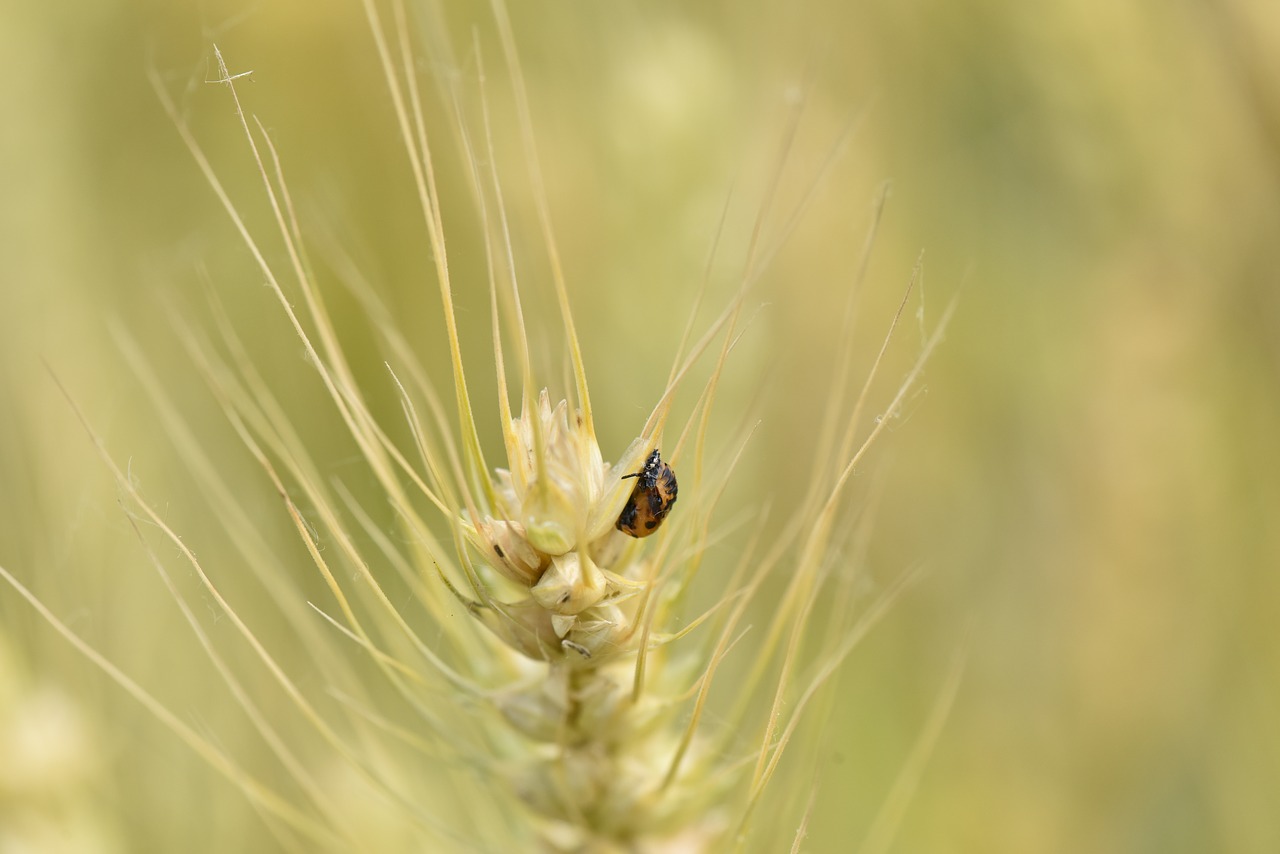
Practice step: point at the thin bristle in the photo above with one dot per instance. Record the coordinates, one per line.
(525, 120)
(414, 135)
(262, 795)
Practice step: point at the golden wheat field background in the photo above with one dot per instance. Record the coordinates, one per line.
(1087, 477)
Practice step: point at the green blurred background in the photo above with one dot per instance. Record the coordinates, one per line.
(1091, 474)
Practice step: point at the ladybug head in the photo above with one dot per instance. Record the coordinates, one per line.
(650, 469)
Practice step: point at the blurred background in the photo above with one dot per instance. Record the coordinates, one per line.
(1090, 472)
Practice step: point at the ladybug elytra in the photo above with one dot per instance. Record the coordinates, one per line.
(651, 500)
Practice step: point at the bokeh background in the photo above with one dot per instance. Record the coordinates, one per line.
(1090, 474)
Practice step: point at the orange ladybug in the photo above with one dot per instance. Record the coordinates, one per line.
(651, 500)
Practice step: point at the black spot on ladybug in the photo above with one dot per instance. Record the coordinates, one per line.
(651, 500)
(627, 519)
(655, 502)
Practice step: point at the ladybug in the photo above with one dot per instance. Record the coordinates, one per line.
(651, 500)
